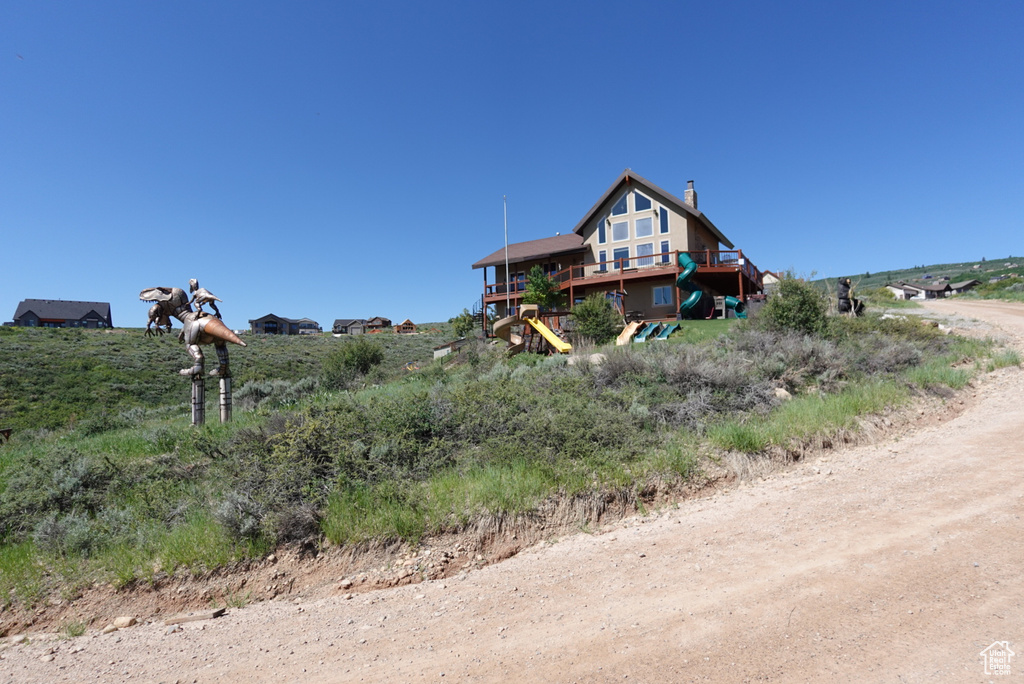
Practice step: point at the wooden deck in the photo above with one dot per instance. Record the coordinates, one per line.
(727, 271)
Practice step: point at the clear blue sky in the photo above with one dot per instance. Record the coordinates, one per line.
(342, 159)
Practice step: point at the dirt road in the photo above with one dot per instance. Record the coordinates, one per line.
(898, 561)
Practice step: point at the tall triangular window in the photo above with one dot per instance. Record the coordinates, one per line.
(620, 207)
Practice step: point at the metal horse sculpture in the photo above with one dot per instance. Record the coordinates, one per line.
(198, 327)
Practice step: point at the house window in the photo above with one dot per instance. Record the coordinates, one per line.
(645, 254)
(644, 227)
(640, 203)
(621, 206)
(602, 236)
(666, 258)
(623, 254)
(620, 231)
(602, 256)
(663, 295)
(663, 221)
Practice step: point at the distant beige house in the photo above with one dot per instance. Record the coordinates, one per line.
(627, 244)
(405, 327)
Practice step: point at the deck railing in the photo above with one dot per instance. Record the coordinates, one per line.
(732, 260)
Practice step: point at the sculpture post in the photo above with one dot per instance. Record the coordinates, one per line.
(225, 400)
(197, 328)
(198, 400)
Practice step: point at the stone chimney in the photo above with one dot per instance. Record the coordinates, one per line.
(690, 196)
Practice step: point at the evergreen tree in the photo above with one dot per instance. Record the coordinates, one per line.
(542, 289)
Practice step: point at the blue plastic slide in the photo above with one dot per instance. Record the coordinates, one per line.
(666, 331)
(736, 305)
(643, 334)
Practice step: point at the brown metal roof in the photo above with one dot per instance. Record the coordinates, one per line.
(534, 249)
(631, 178)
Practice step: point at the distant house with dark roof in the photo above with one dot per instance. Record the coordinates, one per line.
(921, 291)
(348, 326)
(59, 313)
(279, 325)
(376, 324)
(964, 286)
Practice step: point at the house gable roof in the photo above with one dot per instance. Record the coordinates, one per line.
(627, 177)
(965, 283)
(936, 287)
(281, 318)
(62, 309)
(534, 249)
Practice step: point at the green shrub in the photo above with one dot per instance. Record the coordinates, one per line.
(543, 290)
(596, 319)
(354, 358)
(795, 305)
(463, 324)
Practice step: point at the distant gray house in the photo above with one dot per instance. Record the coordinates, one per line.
(58, 313)
(348, 326)
(964, 286)
(278, 325)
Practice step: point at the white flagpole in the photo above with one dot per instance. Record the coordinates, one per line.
(508, 298)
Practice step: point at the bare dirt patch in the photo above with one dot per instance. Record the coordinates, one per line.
(893, 560)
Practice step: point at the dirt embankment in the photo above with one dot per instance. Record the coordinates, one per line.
(893, 561)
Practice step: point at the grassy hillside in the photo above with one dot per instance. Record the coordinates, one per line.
(128, 491)
(956, 272)
(57, 378)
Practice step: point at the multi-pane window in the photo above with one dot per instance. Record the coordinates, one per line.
(640, 203)
(663, 295)
(620, 231)
(645, 254)
(644, 227)
(623, 254)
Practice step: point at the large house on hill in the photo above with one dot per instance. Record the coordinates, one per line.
(279, 325)
(628, 245)
(58, 313)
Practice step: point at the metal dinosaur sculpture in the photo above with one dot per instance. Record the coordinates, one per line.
(198, 327)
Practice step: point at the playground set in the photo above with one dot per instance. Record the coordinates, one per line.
(539, 337)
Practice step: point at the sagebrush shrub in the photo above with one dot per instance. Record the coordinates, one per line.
(353, 358)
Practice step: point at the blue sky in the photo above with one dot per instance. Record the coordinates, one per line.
(336, 160)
